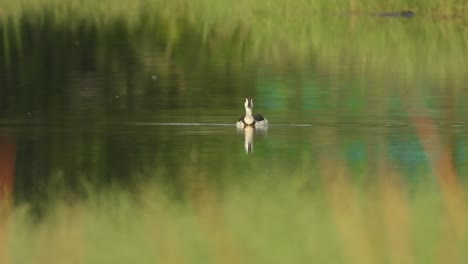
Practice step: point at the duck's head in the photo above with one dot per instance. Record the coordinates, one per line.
(248, 103)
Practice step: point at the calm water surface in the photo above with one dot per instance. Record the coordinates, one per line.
(109, 106)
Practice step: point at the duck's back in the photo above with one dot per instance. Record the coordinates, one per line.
(258, 117)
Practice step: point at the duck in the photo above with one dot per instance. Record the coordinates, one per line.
(249, 119)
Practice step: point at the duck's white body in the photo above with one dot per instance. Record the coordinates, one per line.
(249, 119)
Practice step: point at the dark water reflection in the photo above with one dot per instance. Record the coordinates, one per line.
(102, 106)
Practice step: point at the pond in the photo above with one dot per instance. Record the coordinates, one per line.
(90, 111)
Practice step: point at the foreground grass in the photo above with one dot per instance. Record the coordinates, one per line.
(264, 221)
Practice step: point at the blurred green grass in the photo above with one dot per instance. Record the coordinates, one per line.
(323, 217)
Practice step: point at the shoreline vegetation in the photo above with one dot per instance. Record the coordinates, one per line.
(243, 10)
(222, 16)
(274, 33)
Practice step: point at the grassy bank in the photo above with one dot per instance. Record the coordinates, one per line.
(222, 11)
(273, 33)
(294, 220)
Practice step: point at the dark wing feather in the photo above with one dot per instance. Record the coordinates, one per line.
(241, 118)
(258, 117)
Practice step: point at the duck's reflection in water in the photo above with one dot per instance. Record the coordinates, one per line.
(249, 134)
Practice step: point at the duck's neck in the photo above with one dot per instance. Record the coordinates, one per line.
(248, 111)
